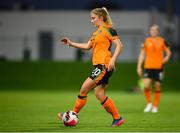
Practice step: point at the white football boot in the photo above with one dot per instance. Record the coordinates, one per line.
(154, 109)
(148, 107)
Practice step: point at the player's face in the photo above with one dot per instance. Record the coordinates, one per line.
(95, 20)
(154, 31)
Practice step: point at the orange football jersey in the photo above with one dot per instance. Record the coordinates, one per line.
(101, 44)
(154, 48)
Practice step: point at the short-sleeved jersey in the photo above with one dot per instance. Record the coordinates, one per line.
(101, 44)
(154, 48)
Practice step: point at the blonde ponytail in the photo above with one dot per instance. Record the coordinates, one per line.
(102, 12)
(109, 20)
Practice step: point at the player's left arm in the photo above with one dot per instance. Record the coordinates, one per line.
(117, 51)
(168, 53)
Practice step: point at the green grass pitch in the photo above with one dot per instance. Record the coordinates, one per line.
(36, 111)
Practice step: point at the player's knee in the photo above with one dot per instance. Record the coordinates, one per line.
(157, 87)
(146, 86)
(147, 89)
(157, 90)
(100, 96)
(83, 91)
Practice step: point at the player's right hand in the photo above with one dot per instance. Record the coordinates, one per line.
(139, 72)
(65, 40)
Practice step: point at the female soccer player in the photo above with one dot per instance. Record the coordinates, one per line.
(152, 52)
(103, 62)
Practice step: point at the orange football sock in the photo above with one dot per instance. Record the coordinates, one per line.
(80, 102)
(157, 97)
(109, 106)
(147, 93)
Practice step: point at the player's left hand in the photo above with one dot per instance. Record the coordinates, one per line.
(165, 60)
(111, 65)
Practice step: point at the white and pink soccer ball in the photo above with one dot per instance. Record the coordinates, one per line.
(70, 118)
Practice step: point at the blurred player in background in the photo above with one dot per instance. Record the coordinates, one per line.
(103, 62)
(155, 52)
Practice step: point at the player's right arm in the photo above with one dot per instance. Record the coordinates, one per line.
(140, 62)
(84, 46)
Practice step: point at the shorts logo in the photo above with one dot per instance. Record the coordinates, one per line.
(161, 75)
(96, 72)
(145, 75)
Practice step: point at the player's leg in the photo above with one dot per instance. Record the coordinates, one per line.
(147, 93)
(158, 77)
(147, 89)
(108, 104)
(96, 75)
(100, 92)
(157, 89)
(82, 97)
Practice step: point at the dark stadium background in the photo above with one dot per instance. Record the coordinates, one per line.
(88, 4)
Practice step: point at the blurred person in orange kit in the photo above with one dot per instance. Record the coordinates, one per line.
(155, 53)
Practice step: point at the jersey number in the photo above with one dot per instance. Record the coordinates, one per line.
(96, 71)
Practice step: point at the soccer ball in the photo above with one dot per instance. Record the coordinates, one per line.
(70, 118)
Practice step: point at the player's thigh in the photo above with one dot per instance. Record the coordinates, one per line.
(100, 91)
(87, 86)
(147, 82)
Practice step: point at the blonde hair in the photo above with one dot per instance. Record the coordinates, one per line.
(102, 12)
